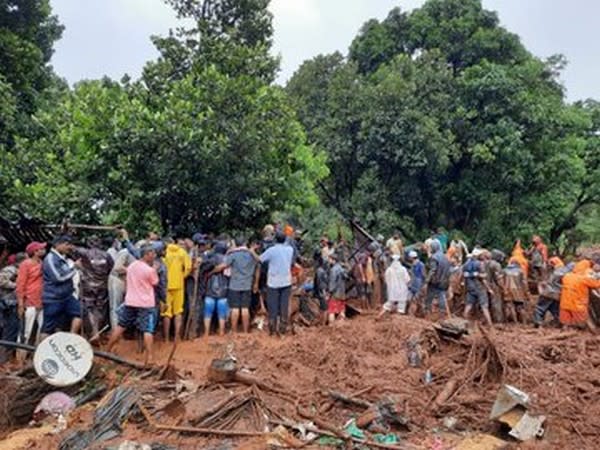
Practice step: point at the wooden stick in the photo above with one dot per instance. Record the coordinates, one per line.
(329, 404)
(99, 353)
(169, 359)
(182, 429)
(349, 399)
(191, 324)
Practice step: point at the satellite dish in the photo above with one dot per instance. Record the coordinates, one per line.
(63, 359)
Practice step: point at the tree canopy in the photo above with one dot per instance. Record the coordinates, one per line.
(437, 117)
(441, 118)
(202, 140)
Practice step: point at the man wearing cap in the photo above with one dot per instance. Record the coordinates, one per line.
(475, 282)
(29, 288)
(58, 298)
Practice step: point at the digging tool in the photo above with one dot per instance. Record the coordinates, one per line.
(191, 324)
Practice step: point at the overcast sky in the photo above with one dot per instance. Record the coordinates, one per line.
(112, 37)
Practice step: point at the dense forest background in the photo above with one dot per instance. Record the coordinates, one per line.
(438, 117)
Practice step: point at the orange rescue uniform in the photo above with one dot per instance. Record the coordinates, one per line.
(575, 294)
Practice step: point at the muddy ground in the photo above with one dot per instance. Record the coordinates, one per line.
(559, 369)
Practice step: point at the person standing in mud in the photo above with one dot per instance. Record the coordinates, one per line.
(96, 266)
(337, 290)
(9, 320)
(515, 293)
(438, 278)
(280, 259)
(396, 280)
(58, 293)
(139, 308)
(538, 256)
(493, 269)
(575, 295)
(29, 289)
(476, 285)
(320, 285)
(179, 266)
(549, 290)
(243, 263)
(417, 278)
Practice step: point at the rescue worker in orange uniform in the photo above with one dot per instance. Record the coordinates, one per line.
(575, 295)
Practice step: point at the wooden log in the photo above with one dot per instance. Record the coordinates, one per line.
(99, 353)
(446, 393)
(352, 400)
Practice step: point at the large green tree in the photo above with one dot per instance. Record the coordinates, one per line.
(202, 140)
(28, 31)
(441, 117)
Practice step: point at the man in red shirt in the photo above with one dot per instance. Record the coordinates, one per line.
(139, 309)
(29, 289)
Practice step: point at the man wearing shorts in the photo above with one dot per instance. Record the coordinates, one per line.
(245, 272)
(139, 308)
(58, 299)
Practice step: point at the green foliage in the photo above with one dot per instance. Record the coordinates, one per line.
(201, 141)
(441, 117)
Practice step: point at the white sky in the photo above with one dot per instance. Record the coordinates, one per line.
(112, 37)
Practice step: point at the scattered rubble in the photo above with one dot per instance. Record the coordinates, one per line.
(350, 384)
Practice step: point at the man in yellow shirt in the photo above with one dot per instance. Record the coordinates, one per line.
(179, 266)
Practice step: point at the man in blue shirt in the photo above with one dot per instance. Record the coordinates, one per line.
(280, 258)
(58, 292)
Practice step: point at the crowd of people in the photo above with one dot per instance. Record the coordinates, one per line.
(194, 285)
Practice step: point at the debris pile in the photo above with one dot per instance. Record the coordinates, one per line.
(356, 385)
